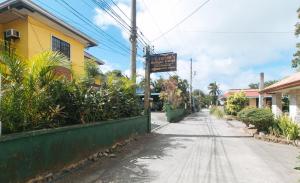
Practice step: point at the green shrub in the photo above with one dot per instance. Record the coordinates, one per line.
(235, 103)
(262, 119)
(288, 128)
(243, 115)
(212, 110)
(34, 97)
(217, 111)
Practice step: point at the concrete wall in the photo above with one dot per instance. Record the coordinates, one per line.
(25, 155)
(276, 104)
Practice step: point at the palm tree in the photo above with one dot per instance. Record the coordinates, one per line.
(214, 92)
(25, 83)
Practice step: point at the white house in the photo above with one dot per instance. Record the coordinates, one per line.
(288, 86)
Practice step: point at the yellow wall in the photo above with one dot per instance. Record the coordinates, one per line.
(252, 102)
(40, 39)
(36, 37)
(1, 31)
(20, 45)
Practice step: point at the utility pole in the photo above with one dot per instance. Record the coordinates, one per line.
(191, 85)
(147, 87)
(261, 87)
(133, 41)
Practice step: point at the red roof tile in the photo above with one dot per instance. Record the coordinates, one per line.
(250, 93)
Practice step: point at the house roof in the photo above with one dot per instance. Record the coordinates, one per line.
(286, 83)
(36, 9)
(90, 56)
(250, 93)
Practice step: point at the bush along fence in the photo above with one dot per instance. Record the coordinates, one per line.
(175, 115)
(49, 118)
(25, 155)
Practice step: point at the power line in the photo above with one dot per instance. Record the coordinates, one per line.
(84, 28)
(121, 10)
(89, 22)
(155, 22)
(183, 20)
(105, 6)
(241, 32)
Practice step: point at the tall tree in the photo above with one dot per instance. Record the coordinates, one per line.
(214, 92)
(296, 59)
(267, 83)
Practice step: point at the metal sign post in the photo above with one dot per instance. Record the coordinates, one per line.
(163, 62)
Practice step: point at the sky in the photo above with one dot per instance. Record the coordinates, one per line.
(230, 41)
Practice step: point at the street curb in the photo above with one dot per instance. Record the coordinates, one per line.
(157, 128)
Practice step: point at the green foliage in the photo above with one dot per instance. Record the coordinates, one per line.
(34, 97)
(214, 92)
(217, 111)
(236, 102)
(262, 119)
(201, 98)
(266, 84)
(243, 115)
(288, 128)
(175, 92)
(296, 59)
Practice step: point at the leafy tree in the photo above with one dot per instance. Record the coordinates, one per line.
(236, 102)
(92, 72)
(267, 83)
(158, 85)
(214, 92)
(202, 98)
(296, 59)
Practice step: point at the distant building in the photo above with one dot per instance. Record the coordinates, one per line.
(251, 94)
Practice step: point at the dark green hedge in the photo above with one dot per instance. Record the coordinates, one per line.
(175, 115)
(262, 119)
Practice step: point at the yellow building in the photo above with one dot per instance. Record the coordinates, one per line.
(30, 30)
(252, 95)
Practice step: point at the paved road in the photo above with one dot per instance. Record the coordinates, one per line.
(158, 120)
(197, 150)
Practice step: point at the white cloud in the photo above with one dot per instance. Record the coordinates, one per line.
(216, 37)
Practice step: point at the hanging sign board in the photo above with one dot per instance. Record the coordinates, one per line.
(163, 62)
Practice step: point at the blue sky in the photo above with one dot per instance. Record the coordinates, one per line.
(230, 41)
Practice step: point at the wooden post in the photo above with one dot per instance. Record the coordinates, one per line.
(147, 87)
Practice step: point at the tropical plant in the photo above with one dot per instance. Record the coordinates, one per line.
(214, 92)
(24, 89)
(35, 96)
(92, 72)
(171, 94)
(236, 102)
(288, 128)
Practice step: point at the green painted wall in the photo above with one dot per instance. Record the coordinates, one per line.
(26, 155)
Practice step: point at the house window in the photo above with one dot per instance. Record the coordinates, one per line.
(61, 46)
